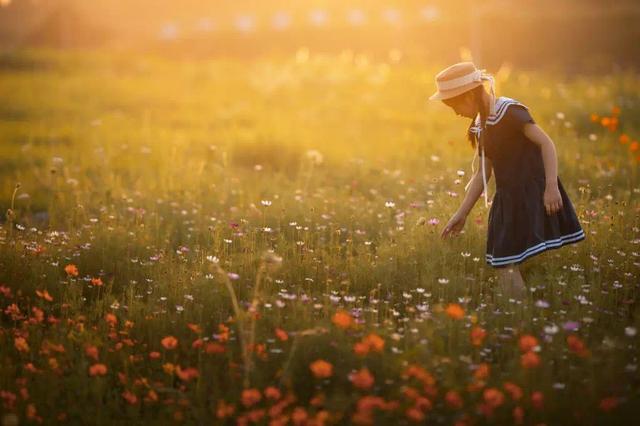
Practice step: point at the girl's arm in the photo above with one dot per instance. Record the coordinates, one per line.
(456, 223)
(475, 188)
(552, 197)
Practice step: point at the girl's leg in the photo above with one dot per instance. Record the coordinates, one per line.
(511, 282)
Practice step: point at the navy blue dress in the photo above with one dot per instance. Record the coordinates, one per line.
(519, 226)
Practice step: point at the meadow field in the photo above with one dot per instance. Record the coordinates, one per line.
(257, 242)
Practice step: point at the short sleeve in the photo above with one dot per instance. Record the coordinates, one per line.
(517, 116)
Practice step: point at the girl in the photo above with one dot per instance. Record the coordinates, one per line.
(531, 211)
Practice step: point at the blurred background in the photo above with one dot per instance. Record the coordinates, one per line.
(569, 35)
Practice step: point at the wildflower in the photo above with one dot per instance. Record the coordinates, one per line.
(71, 270)
(250, 397)
(527, 342)
(362, 379)
(493, 397)
(130, 397)
(537, 400)
(281, 334)
(13, 311)
(477, 335)
(414, 414)
(321, 369)
(168, 368)
(529, 360)
(169, 342)
(514, 390)
(374, 342)
(91, 351)
(224, 410)
(630, 331)
(186, 374)
(454, 311)
(633, 147)
(195, 328)
(44, 295)
(433, 221)
(97, 370)
(111, 319)
(453, 399)
(96, 282)
(624, 138)
(214, 348)
(342, 319)
(21, 344)
(577, 346)
(271, 392)
(482, 372)
(154, 355)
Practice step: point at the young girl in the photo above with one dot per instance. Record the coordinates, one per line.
(531, 211)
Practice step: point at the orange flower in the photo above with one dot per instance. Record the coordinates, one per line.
(250, 397)
(615, 110)
(594, 117)
(97, 370)
(71, 270)
(514, 390)
(527, 342)
(224, 410)
(454, 311)
(529, 360)
(154, 355)
(453, 399)
(168, 368)
(493, 397)
(362, 379)
(96, 282)
(537, 400)
(482, 372)
(414, 414)
(44, 295)
(21, 344)
(195, 328)
(130, 397)
(321, 369)
(634, 146)
(281, 334)
(272, 392)
(187, 374)
(169, 342)
(360, 348)
(91, 351)
(214, 348)
(624, 138)
(374, 342)
(111, 319)
(477, 335)
(605, 121)
(577, 346)
(342, 319)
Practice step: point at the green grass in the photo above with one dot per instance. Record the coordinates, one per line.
(137, 169)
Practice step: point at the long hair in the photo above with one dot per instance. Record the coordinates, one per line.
(476, 92)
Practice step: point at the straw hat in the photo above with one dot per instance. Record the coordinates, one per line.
(459, 78)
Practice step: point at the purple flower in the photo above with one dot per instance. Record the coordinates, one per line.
(571, 325)
(233, 275)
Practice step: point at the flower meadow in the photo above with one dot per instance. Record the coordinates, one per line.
(236, 243)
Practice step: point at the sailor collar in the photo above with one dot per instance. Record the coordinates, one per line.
(500, 108)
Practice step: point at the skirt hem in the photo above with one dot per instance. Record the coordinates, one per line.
(536, 249)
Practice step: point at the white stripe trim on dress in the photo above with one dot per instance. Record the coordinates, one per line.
(558, 242)
(501, 110)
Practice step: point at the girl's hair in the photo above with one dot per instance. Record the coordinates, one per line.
(476, 92)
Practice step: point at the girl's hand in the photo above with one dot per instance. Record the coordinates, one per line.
(455, 225)
(552, 199)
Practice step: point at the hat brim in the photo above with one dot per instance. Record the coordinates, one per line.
(446, 94)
